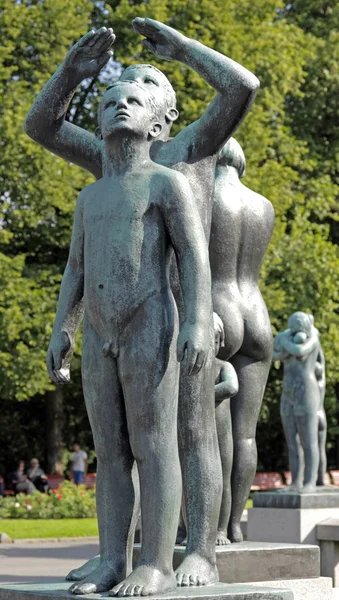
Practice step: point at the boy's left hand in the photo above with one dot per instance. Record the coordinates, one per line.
(165, 42)
(193, 339)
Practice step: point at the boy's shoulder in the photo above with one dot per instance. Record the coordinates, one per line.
(87, 192)
(172, 179)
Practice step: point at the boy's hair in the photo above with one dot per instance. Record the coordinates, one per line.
(300, 321)
(232, 155)
(154, 106)
(170, 96)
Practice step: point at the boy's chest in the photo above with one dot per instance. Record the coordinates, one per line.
(121, 206)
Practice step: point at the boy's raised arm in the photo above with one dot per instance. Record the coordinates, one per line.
(236, 86)
(45, 122)
(189, 243)
(70, 304)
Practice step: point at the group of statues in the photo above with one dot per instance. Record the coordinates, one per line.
(163, 268)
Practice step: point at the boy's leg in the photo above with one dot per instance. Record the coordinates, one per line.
(149, 373)
(225, 439)
(245, 407)
(114, 486)
(201, 472)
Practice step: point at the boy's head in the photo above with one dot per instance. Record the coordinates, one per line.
(300, 337)
(219, 333)
(159, 86)
(128, 106)
(300, 322)
(231, 155)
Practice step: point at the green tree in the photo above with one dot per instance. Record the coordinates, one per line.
(289, 138)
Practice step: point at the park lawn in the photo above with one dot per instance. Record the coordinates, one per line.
(48, 528)
(19, 529)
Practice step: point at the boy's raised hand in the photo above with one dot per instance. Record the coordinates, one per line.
(90, 54)
(165, 42)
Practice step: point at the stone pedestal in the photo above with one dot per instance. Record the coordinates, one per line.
(292, 566)
(220, 591)
(256, 561)
(328, 538)
(290, 516)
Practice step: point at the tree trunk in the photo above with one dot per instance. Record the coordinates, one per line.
(337, 419)
(54, 430)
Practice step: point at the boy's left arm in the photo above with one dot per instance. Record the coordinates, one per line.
(229, 385)
(236, 87)
(188, 239)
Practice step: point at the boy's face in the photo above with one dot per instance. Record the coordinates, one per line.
(151, 79)
(126, 108)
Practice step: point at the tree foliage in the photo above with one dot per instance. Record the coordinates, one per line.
(290, 140)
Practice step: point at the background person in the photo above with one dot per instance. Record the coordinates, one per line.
(37, 476)
(21, 483)
(79, 464)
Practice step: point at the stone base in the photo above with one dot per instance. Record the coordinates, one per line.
(221, 591)
(258, 561)
(288, 525)
(305, 589)
(322, 497)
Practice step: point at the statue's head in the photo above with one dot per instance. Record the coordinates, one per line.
(160, 87)
(300, 321)
(131, 108)
(231, 155)
(219, 333)
(300, 337)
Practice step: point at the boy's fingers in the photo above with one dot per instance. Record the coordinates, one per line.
(86, 38)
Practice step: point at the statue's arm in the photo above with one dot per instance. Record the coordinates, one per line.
(70, 303)
(46, 121)
(300, 350)
(278, 355)
(187, 237)
(70, 308)
(229, 385)
(236, 87)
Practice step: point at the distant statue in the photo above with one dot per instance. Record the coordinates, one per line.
(242, 225)
(302, 401)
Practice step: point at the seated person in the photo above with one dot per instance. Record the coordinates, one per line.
(38, 477)
(21, 483)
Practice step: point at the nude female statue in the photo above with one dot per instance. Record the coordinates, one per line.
(242, 225)
(193, 152)
(124, 227)
(301, 406)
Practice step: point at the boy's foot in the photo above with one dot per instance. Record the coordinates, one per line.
(235, 534)
(222, 539)
(86, 569)
(145, 581)
(196, 570)
(100, 580)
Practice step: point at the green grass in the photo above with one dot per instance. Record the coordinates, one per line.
(44, 528)
(19, 529)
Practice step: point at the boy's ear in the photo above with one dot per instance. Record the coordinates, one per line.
(171, 115)
(155, 130)
(98, 133)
